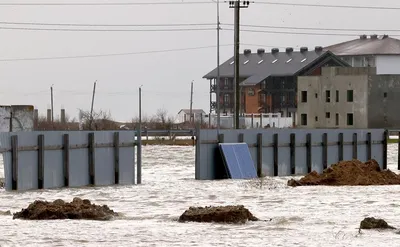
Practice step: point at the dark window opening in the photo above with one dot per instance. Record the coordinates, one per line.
(350, 95)
(328, 115)
(328, 96)
(350, 119)
(304, 96)
(384, 94)
(337, 119)
(304, 119)
(337, 95)
(316, 95)
(316, 119)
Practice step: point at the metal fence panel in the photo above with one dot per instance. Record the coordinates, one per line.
(127, 162)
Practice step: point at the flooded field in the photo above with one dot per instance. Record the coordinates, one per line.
(303, 216)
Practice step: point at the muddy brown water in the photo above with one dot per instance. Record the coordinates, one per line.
(303, 216)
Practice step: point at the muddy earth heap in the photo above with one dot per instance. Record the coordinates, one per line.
(352, 172)
(77, 209)
(225, 214)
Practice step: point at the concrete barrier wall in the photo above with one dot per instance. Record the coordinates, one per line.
(45, 160)
(287, 152)
(23, 118)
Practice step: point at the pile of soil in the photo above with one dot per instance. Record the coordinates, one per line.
(372, 223)
(222, 214)
(60, 210)
(352, 172)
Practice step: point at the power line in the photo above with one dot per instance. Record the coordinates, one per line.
(299, 33)
(109, 55)
(107, 30)
(318, 29)
(329, 6)
(107, 3)
(106, 25)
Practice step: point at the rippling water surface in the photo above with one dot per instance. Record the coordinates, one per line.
(307, 216)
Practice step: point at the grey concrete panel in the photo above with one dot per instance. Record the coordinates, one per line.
(333, 151)
(284, 154)
(53, 169)
(316, 152)
(104, 160)
(78, 160)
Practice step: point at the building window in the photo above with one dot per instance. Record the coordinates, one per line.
(251, 92)
(226, 84)
(304, 119)
(316, 118)
(328, 115)
(328, 96)
(304, 96)
(337, 96)
(316, 96)
(337, 119)
(226, 99)
(350, 119)
(349, 95)
(385, 95)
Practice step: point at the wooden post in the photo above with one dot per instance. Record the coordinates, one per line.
(355, 146)
(14, 162)
(275, 155)
(385, 149)
(308, 153)
(369, 146)
(66, 159)
(293, 154)
(259, 154)
(116, 157)
(241, 138)
(325, 151)
(40, 161)
(340, 143)
(252, 121)
(91, 159)
(261, 120)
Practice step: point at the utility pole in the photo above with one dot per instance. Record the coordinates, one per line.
(139, 147)
(91, 108)
(237, 6)
(52, 106)
(218, 73)
(191, 103)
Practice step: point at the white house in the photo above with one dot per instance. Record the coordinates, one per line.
(382, 52)
(184, 115)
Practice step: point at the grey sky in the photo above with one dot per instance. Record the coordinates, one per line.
(165, 77)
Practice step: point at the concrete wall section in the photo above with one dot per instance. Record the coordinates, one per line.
(23, 118)
(384, 100)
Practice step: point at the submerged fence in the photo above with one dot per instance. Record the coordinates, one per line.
(45, 160)
(290, 151)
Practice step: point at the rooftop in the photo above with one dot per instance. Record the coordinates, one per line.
(255, 67)
(367, 45)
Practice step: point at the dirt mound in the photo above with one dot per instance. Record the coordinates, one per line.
(223, 214)
(77, 209)
(352, 172)
(372, 223)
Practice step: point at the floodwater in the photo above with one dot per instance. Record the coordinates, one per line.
(307, 216)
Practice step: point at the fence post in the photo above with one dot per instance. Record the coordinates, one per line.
(369, 146)
(275, 155)
(325, 151)
(261, 120)
(40, 161)
(139, 156)
(116, 157)
(66, 159)
(241, 138)
(340, 143)
(308, 159)
(293, 154)
(355, 146)
(398, 151)
(259, 154)
(385, 149)
(252, 121)
(91, 159)
(14, 162)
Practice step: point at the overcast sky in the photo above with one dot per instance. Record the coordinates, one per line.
(165, 76)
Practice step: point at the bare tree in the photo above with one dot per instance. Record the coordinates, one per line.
(99, 120)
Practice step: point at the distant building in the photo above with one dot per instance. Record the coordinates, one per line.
(184, 115)
(268, 80)
(348, 98)
(382, 52)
